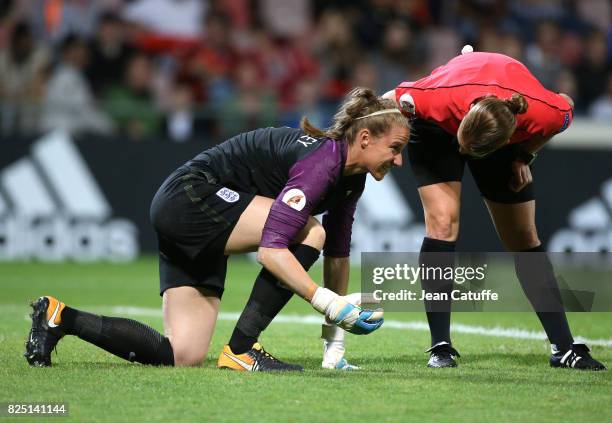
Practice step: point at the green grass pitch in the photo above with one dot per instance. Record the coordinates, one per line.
(498, 379)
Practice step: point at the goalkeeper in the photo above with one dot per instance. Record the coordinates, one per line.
(257, 192)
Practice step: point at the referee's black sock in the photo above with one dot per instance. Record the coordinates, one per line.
(124, 338)
(267, 299)
(437, 253)
(537, 278)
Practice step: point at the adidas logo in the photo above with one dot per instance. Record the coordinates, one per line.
(52, 209)
(590, 226)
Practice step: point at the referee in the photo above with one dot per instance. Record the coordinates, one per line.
(488, 111)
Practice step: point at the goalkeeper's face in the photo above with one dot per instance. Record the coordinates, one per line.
(385, 151)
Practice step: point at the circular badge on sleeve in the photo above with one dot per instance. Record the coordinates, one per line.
(295, 198)
(407, 104)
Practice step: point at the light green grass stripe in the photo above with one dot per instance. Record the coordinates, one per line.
(313, 319)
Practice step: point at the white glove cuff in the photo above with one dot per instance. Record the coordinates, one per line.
(322, 298)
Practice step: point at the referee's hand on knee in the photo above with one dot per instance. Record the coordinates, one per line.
(521, 176)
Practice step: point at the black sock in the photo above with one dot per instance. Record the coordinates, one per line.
(267, 299)
(124, 338)
(537, 278)
(438, 312)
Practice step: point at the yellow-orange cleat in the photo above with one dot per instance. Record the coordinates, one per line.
(45, 332)
(254, 360)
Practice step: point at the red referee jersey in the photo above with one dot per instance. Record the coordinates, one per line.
(444, 97)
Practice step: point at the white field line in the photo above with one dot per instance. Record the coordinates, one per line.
(313, 319)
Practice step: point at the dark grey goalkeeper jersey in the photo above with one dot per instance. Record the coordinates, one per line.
(303, 174)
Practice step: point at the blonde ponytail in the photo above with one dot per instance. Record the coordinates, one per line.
(353, 116)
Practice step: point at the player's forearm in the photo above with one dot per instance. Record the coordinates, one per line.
(336, 274)
(283, 264)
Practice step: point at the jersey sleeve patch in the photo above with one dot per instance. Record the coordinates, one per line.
(566, 122)
(295, 198)
(407, 105)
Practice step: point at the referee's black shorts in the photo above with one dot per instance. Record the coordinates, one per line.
(434, 158)
(194, 216)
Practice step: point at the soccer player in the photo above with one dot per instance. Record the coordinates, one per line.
(256, 191)
(489, 111)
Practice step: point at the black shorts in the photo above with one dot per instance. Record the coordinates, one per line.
(194, 216)
(434, 157)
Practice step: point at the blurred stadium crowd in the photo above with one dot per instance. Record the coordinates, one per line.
(185, 69)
